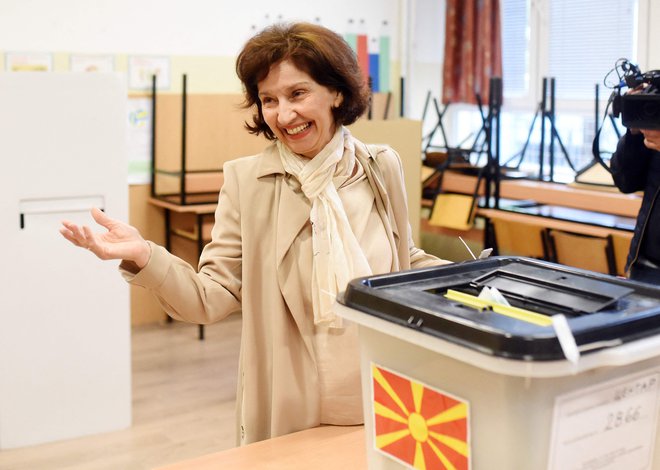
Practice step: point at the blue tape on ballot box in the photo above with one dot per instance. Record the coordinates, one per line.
(602, 310)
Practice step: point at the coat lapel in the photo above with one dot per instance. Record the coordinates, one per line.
(367, 158)
(293, 206)
(293, 214)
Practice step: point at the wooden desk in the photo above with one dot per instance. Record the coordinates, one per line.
(194, 208)
(568, 219)
(550, 193)
(326, 447)
(188, 222)
(597, 224)
(569, 214)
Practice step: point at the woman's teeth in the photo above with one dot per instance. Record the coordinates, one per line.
(298, 129)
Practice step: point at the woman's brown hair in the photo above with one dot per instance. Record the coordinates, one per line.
(319, 52)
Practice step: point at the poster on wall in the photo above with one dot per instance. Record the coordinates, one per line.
(91, 63)
(28, 62)
(138, 140)
(141, 69)
(372, 38)
(373, 52)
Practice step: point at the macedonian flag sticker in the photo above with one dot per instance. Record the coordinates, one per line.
(421, 427)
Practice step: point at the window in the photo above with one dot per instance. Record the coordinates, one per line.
(515, 47)
(576, 43)
(585, 39)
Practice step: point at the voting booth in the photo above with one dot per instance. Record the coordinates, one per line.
(65, 364)
(562, 374)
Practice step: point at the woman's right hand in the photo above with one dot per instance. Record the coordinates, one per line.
(121, 241)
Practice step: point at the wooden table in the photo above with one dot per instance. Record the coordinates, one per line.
(587, 226)
(547, 216)
(197, 231)
(325, 447)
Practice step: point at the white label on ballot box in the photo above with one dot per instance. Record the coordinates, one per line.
(608, 426)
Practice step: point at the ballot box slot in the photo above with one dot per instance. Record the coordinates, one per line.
(565, 292)
(516, 301)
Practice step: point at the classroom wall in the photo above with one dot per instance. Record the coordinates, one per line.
(173, 38)
(174, 27)
(423, 67)
(199, 37)
(202, 36)
(654, 34)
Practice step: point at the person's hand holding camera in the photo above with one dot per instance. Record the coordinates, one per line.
(651, 138)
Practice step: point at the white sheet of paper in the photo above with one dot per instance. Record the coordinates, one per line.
(608, 426)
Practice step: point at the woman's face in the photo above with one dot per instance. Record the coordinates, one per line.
(297, 109)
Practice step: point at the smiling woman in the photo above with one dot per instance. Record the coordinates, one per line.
(320, 54)
(297, 109)
(294, 224)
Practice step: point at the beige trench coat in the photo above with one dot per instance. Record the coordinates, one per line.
(248, 266)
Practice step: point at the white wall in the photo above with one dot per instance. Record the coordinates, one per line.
(173, 27)
(219, 27)
(654, 34)
(427, 42)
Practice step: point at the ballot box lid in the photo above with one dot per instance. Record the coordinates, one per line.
(602, 311)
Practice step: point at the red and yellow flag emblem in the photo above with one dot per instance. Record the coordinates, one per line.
(417, 425)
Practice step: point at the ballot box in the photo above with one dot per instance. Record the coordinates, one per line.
(561, 372)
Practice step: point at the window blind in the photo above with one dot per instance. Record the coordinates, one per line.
(515, 47)
(585, 40)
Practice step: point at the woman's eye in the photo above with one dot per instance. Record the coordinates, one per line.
(265, 101)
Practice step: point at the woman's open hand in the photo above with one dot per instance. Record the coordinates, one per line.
(121, 241)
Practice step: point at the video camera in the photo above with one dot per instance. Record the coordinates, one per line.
(640, 110)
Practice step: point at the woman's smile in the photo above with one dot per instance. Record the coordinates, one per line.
(297, 109)
(298, 130)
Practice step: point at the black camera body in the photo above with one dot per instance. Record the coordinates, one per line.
(639, 110)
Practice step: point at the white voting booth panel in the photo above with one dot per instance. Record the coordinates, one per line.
(64, 315)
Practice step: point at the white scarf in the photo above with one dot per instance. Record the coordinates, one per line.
(338, 257)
